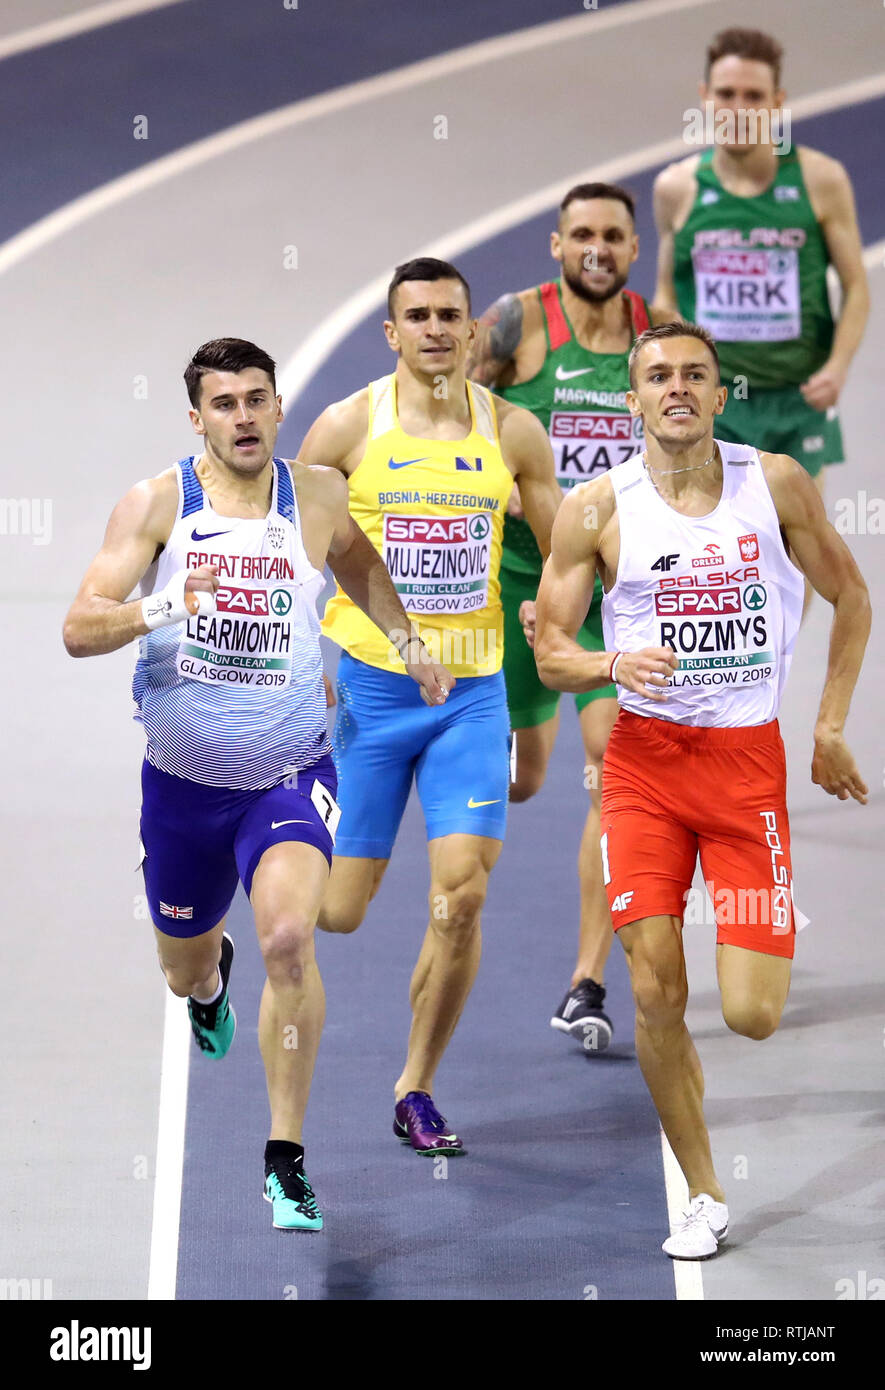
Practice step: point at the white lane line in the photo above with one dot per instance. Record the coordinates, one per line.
(176, 1031)
(687, 1273)
(321, 343)
(170, 1149)
(173, 1116)
(874, 256)
(94, 18)
(81, 209)
(64, 219)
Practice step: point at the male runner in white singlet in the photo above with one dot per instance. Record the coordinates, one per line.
(702, 605)
(561, 350)
(238, 782)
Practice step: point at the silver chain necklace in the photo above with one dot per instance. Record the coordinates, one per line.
(666, 472)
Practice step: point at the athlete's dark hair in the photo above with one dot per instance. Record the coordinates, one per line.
(671, 330)
(597, 190)
(424, 268)
(225, 355)
(746, 43)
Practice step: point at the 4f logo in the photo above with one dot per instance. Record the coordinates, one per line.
(665, 562)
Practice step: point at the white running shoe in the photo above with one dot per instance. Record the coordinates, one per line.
(699, 1235)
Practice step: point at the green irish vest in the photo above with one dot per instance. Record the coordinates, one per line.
(752, 271)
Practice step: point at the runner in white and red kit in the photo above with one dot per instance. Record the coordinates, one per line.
(693, 542)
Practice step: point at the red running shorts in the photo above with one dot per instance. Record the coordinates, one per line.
(671, 792)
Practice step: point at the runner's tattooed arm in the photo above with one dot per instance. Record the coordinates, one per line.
(825, 559)
(100, 620)
(498, 335)
(585, 536)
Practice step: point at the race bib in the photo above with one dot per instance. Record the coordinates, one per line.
(247, 642)
(720, 631)
(587, 443)
(325, 803)
(748, 296)
(439, 564)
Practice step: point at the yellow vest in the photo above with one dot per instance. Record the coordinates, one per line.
(434, 510)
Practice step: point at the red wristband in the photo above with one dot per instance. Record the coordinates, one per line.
(611, 669)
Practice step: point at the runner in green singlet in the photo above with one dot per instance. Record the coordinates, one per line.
(747, 229)
(560, 350)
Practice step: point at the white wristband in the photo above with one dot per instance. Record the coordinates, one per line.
(615, 667)
(168, 605)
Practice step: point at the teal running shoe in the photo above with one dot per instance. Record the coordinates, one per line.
(294, 1205)
(214, 1025)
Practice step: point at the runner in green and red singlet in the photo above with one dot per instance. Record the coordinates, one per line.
(747, 229)
(560, 350)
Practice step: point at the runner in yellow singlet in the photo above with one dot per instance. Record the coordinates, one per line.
(430, 461)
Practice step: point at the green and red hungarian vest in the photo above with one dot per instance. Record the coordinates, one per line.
(580, 398)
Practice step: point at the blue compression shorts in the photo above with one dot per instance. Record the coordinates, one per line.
(458, 753)
(199, 841)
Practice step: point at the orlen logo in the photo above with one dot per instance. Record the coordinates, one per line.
(584, 424)
(439, 530)
(698, 601)
(749, 547)
(711, 556)
(250, 602)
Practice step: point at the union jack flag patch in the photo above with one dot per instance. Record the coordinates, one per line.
(169, 911)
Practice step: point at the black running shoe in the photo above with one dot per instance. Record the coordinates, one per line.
(580, 1015)
(214, 1025)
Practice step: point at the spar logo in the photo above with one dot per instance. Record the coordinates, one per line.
(700, 601)
(586, 424)
(755, 596)
(781, 262)
(732, 262)
(437, 530)
(250, 602)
